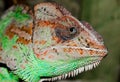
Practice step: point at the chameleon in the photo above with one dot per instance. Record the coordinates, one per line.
(46, 43)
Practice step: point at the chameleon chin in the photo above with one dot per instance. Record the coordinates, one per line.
(47, 43)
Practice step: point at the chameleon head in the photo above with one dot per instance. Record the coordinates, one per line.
(65, 42)
(48, 42)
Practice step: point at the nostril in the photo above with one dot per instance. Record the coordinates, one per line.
(104, 55)
(105, 52)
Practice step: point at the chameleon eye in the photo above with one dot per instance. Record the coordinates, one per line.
(66, 33)
(73, 30)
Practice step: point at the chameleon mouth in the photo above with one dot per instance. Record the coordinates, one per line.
(71, 73)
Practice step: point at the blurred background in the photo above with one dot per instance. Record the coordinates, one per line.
(104, 16)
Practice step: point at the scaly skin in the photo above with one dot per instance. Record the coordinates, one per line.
(48, 42)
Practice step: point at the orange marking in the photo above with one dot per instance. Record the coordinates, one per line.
(70, 50)
(67, 50)
(25, 30)
(73, 44)
(38, 55)
(101, 47)
(21, 33)
(56, 39)
(94, 44)
(43, 23)
(45, 53)
(43, 42)
(80, 51)
(91, 52)
(36, 42)
(14, 46)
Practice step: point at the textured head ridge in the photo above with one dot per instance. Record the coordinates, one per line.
(52, 43)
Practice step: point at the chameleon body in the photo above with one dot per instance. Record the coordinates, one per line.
(46, 43)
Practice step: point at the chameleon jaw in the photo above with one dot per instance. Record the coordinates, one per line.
(73, 73)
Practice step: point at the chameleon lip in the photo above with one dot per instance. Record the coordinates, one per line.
(101, 50)
(58, 46)
(72, 73)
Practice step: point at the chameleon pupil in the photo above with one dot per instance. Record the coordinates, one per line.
(72, 30)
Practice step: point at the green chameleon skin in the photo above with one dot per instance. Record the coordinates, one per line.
(46, 44)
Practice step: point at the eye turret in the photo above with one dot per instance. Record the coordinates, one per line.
(66, 33)
(73, 30)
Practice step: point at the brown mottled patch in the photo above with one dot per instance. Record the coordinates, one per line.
(24, 41)
(8, 32)
(28, 29)
(24, 33)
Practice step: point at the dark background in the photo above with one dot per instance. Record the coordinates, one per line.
(104, 16)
